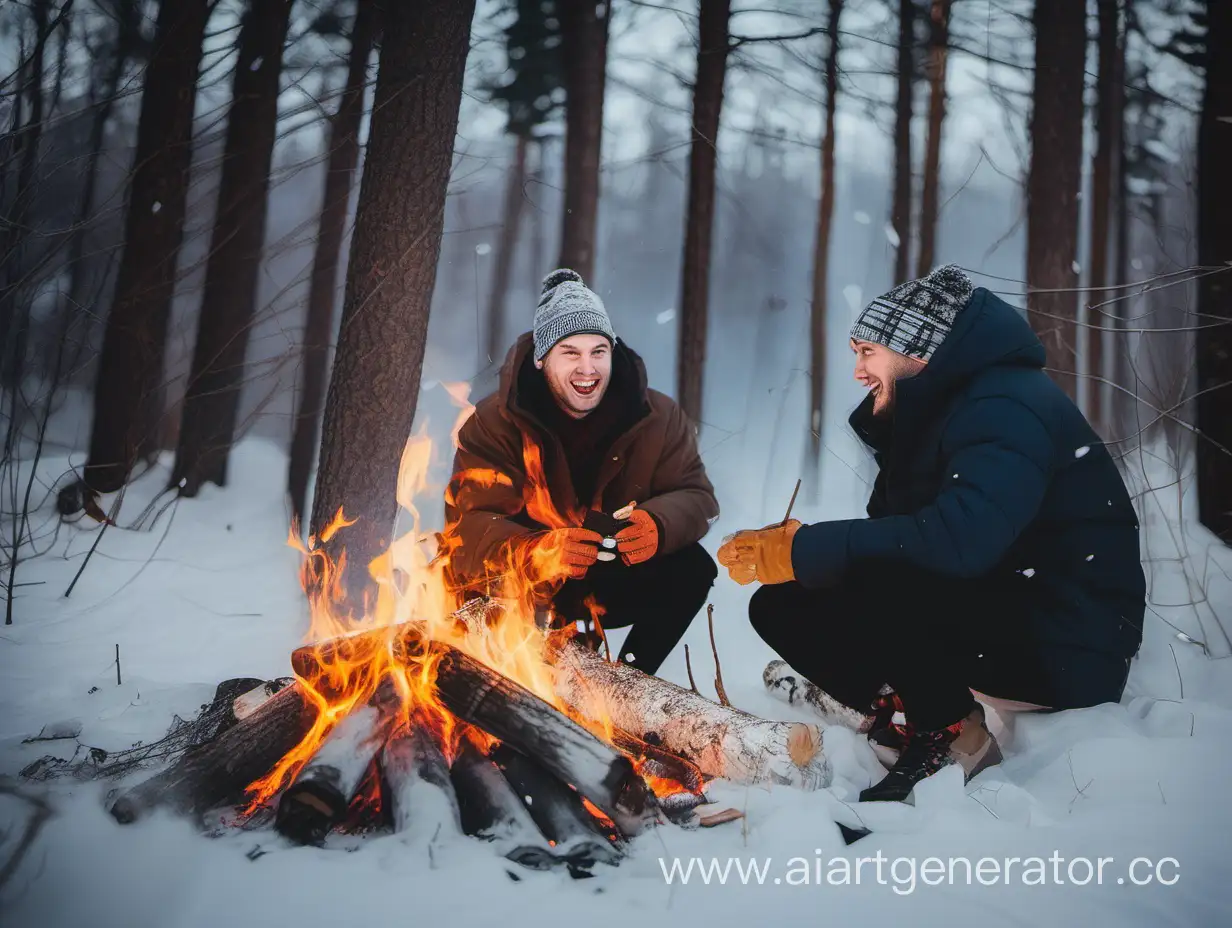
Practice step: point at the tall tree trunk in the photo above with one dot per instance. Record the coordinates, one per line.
(390, 276)
(515, 194)
(712, 48)
(14, 320)
(900, 216)
(1053, 182)
(1214, 341)
(1120, 354)
(1108, 133)
(821, 258)
(584, 31)
(128, 385)
(75, 326)
(322, 288)
(538, 235)
(229, 298)
(938, 55)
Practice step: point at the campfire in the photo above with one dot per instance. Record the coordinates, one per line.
(434, 708)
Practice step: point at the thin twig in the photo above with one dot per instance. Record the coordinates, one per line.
(688, 666)
(718, 670)
(791, 505)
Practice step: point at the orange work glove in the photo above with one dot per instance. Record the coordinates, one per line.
(762, 554)
(564, 552)
(640, 540)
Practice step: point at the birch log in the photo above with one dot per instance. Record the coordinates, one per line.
(721, 741)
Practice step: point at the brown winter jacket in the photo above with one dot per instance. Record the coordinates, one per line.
(655, 462)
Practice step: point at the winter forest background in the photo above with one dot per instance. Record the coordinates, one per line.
(198, 196)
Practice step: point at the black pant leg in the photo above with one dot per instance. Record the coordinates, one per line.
(818, 632)
(658, 598)
(873, 629)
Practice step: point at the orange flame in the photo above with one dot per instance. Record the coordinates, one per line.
(395, 669)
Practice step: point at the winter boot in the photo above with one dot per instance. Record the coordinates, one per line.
(888, 737)
(967, 742)
(792, 687)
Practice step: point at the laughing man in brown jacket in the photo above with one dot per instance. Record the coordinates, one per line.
(574, 397)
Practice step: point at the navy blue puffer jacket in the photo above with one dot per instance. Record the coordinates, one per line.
(987, 469)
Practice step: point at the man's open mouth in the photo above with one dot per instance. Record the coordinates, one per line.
(584, 387)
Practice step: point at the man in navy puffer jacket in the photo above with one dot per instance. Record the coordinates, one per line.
(1001, 552)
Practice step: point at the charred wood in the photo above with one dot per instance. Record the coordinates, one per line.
(322, 792)
(577, 835)
(415, 783)
(218, 772)
(508, 711)
(491, 810)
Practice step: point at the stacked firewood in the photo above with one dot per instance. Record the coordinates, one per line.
(547, 790)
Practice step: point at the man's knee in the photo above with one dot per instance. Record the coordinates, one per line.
(772, 607)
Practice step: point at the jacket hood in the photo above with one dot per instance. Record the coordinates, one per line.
(628, 374)
(988, 332)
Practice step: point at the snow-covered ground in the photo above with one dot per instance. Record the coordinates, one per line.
(208, 591)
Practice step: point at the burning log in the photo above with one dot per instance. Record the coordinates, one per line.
(319, 797)
(721, 741)
(653, 761)
(415, 782)
(493, 703)
(215, 773)
(576, 833)
(490, 809)
(508, 711)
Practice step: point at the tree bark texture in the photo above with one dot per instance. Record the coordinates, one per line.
(229, 301)
(1214, 337)
(323, 286)
(502, 273)
(400, 215)
(1108, 140)
(821, 257)
(1053, 182)
(904, 103)
(128, 386)
(938, 55)
(584, 31)
(712, 50)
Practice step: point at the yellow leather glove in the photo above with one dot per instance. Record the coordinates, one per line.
(762, 554)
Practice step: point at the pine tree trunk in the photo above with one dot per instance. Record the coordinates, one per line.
(938, 54)
(1108, 133)
(128, 387)
(318, 324)
(390, 276)
(14, 318)
(1214, 341)
(584, 31)
(900, 217)
(74, 314)
(515, 195)
(1053, 182)
(712, 51)
(1120, 354)
(229, 301)
(821, 257)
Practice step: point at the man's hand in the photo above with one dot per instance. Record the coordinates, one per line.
(640, 540)
(566, 552)
(762, 554)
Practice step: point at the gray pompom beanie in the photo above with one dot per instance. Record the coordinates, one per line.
(568, 307)
(915, 317)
